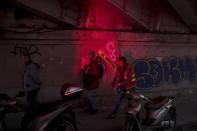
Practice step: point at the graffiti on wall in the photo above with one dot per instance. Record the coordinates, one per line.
(26, 50)
(150, 73)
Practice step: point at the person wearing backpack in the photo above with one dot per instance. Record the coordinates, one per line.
(93, 71)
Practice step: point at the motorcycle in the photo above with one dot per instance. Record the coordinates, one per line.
(53, 116)
(160, 114)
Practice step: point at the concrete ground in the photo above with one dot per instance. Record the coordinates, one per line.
(186, 119)
(98, 122)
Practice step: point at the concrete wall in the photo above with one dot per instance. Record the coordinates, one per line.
(172, 70)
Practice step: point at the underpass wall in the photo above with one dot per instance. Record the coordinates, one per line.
(165, 64)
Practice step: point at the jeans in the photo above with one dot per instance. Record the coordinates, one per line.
(119, 100)
(91, 98)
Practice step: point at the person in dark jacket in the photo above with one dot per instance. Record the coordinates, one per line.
(31, 84)
(91, 81)
(31, 80)
(124, 80)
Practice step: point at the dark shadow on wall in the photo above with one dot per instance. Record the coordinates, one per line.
(129, 56)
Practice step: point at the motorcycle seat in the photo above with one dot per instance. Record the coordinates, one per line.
(156, 103)
(43, 108)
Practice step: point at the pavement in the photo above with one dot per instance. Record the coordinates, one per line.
(186, 119)
(98, 122)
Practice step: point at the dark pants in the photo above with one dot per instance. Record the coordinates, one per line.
(119, 100)
(31, 98)
(92, 100)
(31, 106)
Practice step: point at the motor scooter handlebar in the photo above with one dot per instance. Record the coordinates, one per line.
(145, 98)
(20, 94)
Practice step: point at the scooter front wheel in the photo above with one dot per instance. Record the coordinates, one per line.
(62, 123)
(131, 124)
(128, 126)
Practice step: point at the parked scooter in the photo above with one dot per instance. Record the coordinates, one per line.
(160, 115)
(53, 116)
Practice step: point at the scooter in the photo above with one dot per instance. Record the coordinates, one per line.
(53, 116)
(160, 114)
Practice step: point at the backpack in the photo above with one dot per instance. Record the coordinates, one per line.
(101, 70)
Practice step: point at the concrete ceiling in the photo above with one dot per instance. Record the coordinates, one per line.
(141, 14)
(74, 12)
(187, 10)
(54, 10)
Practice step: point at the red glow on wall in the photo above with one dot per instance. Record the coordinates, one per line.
(96, 40)
(110, 48)
(100, 14)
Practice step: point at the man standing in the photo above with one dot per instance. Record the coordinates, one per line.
(124, 79)
(93, 71)
(31, 83)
